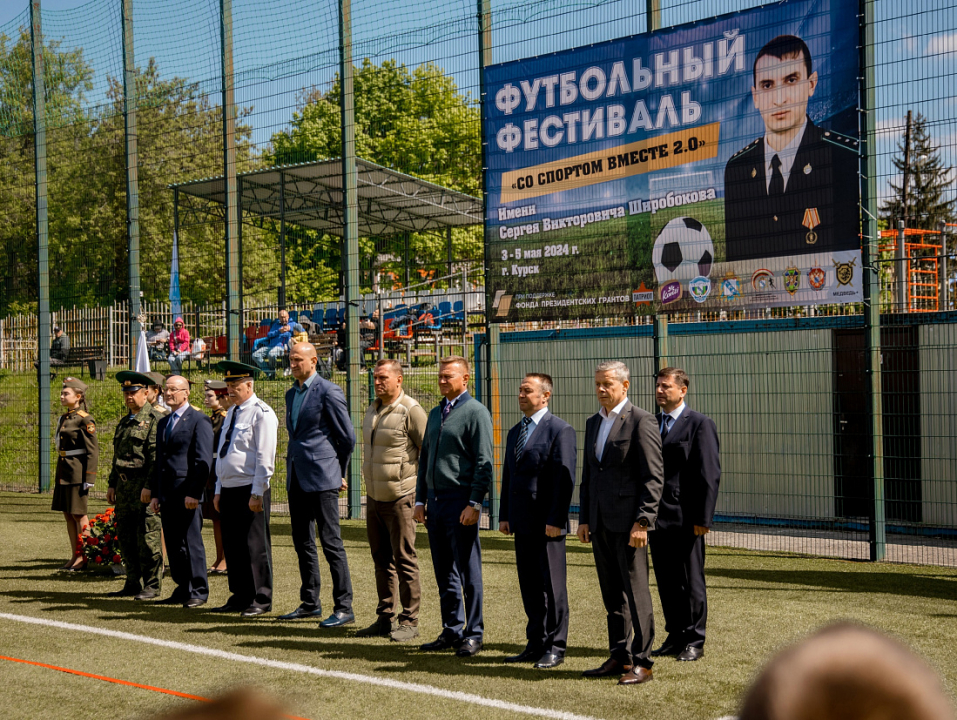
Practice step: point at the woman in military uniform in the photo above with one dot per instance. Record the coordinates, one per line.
(216, 399)
(77, 455)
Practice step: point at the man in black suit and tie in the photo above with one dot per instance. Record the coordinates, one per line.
(538, 478)
(689, 444)
(184, 454)
(795, 190)
(321, 440)
(621, 486)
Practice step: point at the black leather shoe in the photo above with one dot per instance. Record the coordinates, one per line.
(608, 668)
(146, 594)
(469, 647)
(227, 608)
(303, 611)
(125, 592)
(668, 647)
(380, 628)
(527, 655)
(442, 642)
(338, 619)
(194, 603)
(253, 611)
(549, 660)
(690, 654)
(171, 600)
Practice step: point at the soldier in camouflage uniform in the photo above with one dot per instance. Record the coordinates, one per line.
(138, 528)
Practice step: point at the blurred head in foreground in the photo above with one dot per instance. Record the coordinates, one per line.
(849, 672)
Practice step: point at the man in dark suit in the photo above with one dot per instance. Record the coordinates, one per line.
(184, 454)
(321, 440)
(621, 486)
(689, 445)
(795, 190)
(538, 478)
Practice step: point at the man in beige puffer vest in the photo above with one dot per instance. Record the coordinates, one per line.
(392, 437)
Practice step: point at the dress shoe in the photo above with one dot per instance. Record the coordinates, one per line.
(469, 647)
(172, 600)
(194, 603)
(529, 654)
(442, 642)
(229, 607)
(338, 619)
(549, 660)
(690, 654)
(668, 647)
(125, 592)
(608, 668)
(303, 611)
(253, 611)
(146, 594)
(382, 627)
(636, 676)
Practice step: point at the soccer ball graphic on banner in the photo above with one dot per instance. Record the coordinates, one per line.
(683, 251)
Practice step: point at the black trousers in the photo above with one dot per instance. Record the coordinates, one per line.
(183, 530)
(678, 556)
(623, 579)
(540, 561)
(309, 512)
(247, 546)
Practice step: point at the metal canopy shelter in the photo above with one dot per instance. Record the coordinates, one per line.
(310, 195)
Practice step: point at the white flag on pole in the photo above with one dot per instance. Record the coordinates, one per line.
(142, 354)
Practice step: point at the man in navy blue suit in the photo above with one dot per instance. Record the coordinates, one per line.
(321, 440)
(689, 445)
(538, 478)
(184, 453)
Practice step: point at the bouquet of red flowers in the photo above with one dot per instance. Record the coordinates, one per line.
(99, 544)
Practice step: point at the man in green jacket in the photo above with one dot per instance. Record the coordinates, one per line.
(138, 528)
(455, 471)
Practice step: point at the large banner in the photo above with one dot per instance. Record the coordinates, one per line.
(709, 166)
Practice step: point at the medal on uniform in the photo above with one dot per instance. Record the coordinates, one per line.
(811, 221)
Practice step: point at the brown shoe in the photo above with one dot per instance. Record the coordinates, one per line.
(636, 676)
(608, 668)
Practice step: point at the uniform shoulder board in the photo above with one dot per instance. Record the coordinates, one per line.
(746, 149)
(263, 405)
(83, 413)
(195, 408)
(841, 141)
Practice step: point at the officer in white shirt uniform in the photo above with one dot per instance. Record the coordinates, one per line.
(245, 460)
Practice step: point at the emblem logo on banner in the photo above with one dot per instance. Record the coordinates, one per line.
(730, 287)
(845, 271)
(700, 288)
(811, 221)
(670, 292)
(643, 295)
(816, 278)
(762, 281)
(792, 279)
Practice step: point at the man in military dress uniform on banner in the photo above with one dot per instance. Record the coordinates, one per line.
(795, 190)
(138, 528)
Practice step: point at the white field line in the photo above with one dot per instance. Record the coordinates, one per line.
(296, 667)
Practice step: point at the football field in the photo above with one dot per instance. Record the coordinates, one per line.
(137, 660)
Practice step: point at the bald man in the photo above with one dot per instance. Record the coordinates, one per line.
(321, 440)
(184, 454)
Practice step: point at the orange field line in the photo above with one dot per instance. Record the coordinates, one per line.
(119, 682)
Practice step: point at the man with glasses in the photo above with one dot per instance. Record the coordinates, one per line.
(245, 460)
(184, 453)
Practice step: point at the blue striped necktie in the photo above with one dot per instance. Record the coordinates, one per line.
(664, 425)
(522, 438)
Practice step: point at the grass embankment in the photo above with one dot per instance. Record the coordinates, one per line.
(758, 603)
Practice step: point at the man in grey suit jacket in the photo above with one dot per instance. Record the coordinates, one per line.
(622, 479)
(321, 440)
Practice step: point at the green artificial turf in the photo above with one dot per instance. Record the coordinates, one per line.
(758, 603)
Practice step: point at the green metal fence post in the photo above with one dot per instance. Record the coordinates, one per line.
(233, 279)
(660, 337)
(350, 255)
(872, 283)
(43, 247)
(132, 178)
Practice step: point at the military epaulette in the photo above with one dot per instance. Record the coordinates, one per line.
(195, 408)
(83, 413)
(841, 141)
(263, 405)
(743, 150)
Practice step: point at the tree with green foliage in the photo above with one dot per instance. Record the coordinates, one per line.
(416, 122)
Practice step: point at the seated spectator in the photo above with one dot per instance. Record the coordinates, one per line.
(369, 331)
(847, 672)
(403, 323)
(276, 344)
(179, 347)
(59, 348)
(156, 341)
